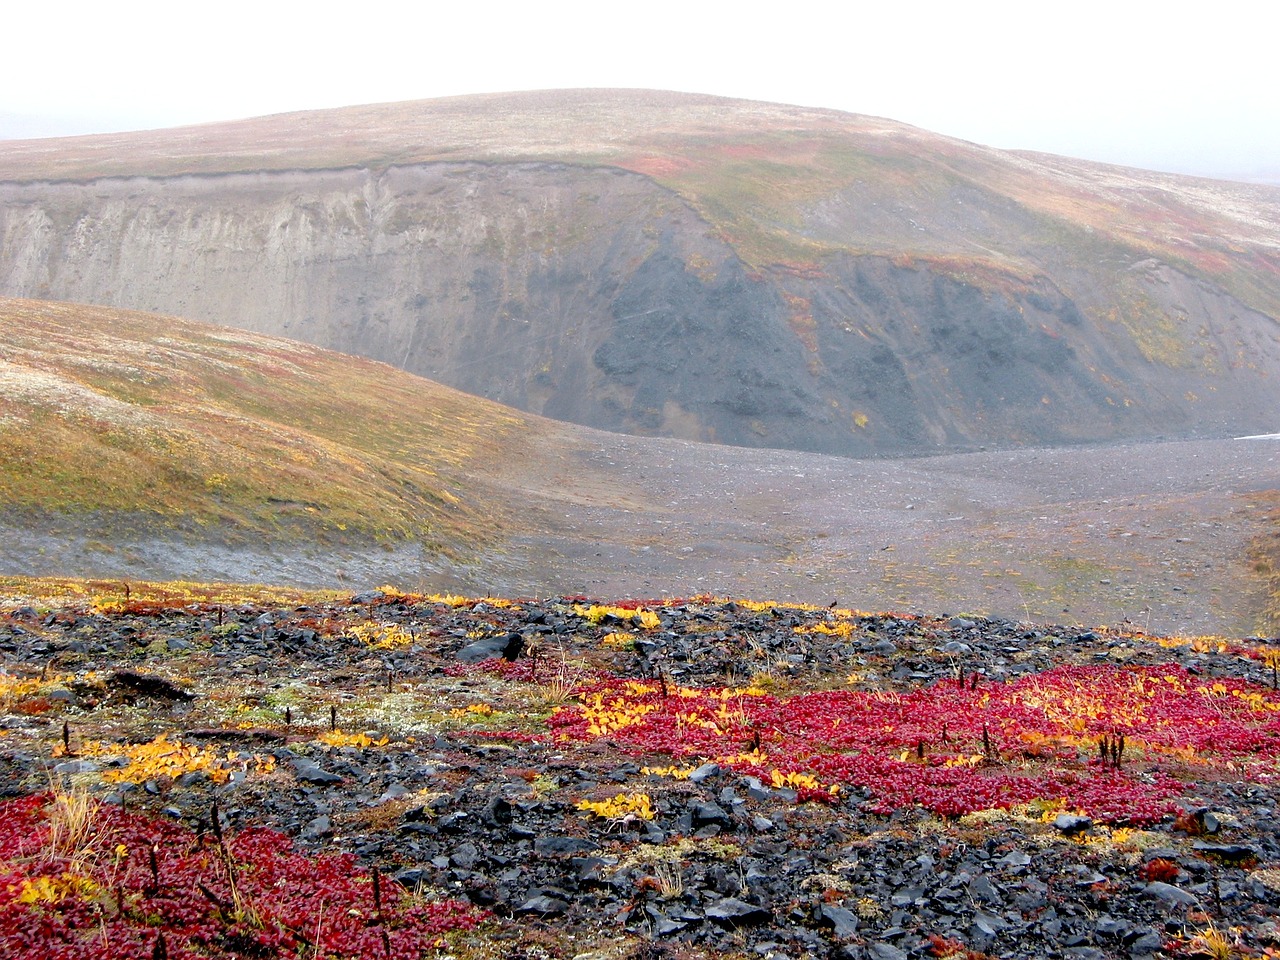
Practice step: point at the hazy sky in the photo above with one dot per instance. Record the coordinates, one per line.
(1185, 88)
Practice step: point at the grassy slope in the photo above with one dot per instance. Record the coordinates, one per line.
(157, 421)
(785, 185)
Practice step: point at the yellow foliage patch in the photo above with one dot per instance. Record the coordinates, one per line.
(596, 613)
(636, 805)
(53, 890)
(676, 773)
(336, 738)
(616, 714)
(381, 636)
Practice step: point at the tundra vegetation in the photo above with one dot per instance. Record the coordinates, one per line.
(206, 770)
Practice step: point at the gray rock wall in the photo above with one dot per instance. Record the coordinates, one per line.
(595, 296)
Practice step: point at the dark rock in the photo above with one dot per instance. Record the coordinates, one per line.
(843, 922)
(1226, 852)
(1072, 823)
(507, 646)
(1169, 894)
(559, 846)
(544, 905)
(732, 912)
(309, 770)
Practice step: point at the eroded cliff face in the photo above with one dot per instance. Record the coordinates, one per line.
(593, 295)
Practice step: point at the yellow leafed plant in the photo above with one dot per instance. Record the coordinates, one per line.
(624, 804)
(382, 636)
(336, 738)
(53, 890)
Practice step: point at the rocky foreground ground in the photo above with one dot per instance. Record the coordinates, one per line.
(680, 778)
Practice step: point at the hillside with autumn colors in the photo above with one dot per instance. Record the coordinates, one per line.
(686, 266)
(192, 771)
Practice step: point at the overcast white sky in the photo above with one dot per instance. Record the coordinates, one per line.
(1179, 87)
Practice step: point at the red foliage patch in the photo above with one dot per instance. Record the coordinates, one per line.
(251, 897)
(1158, 869)
(954, 749)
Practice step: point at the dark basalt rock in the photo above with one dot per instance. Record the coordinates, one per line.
(132, 684)
(732, 912)
(508, 647)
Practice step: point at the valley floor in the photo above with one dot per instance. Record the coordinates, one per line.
(1156, 535)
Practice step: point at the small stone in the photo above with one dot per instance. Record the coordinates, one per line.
(556, 846)
(543, 904)
(76, 766)
(843, 922)
(1168, 893)
(704, 771)
(886, 951)
(732, 912)
(1072, 823)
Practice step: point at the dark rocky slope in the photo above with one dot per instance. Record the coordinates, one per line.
(448, 775)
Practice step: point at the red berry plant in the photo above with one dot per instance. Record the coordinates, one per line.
(82, 880)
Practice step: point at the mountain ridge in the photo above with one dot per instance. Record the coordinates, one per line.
(792, 277)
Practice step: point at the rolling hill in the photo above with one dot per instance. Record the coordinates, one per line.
(136, 424)
(686, 266)
(136, 446)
